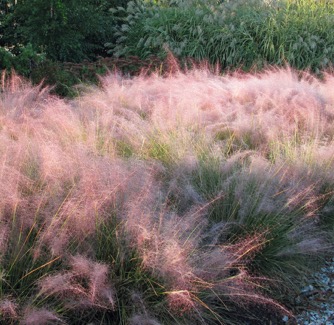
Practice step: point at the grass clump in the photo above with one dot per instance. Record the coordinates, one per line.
(185, 199)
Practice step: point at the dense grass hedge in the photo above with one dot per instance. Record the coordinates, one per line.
(233, 33)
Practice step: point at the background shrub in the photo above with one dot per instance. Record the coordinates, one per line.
(233, 33)
(63, 30)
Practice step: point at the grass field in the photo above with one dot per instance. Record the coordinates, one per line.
(191, 198)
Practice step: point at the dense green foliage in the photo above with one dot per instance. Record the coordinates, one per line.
(233, 33)
(36, 36)
(63, 30)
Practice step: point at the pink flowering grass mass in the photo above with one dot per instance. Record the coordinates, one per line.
(189, 198)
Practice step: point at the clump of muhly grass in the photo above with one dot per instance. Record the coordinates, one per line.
(179, 199)
(196, 271)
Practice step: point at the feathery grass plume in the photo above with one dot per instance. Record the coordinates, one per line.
(11, 179)
(326, 89)
(41, 316)
(19, 99)
(4, 233)
(142, 320)
(112, 124)
(98, 280)
(23, 136)
(181, 193)
(181, 301)
(275, 105)
(100, 187)
(84, 286)
(163, 239)
(8, 309)
(148, 101)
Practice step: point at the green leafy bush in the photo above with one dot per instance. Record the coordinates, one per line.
(5, 59)
(24, 62)
(63, 30)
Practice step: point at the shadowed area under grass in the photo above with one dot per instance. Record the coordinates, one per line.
(191, 198)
